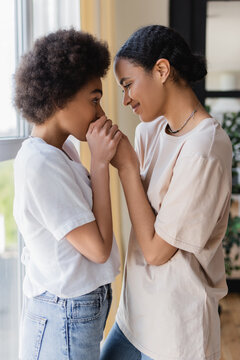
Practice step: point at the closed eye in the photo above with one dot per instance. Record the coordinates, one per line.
(126, 87)
(96, 100)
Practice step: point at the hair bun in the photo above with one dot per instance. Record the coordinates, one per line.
(198, 68)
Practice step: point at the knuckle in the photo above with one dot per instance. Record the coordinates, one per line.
(109, 123)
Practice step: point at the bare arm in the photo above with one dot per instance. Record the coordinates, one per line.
(156, 250)
(94, 240)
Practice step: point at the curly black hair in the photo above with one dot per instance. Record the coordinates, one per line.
(153, 42)
(57, 67)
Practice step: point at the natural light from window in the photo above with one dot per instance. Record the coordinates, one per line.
(8, 122)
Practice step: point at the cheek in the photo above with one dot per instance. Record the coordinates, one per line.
(153, 104)
(84, 116)
(156, 94)
(144, 92)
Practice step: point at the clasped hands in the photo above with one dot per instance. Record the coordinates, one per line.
(109, 145)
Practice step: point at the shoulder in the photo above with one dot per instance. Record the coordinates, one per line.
(207, 153)
(37, 157)
(147, 132)
(210, 141)
(150, 128)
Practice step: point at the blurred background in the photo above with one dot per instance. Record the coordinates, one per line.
(211, 28)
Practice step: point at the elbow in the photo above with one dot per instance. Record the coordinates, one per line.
(158, 260)
(152, 259)
(102, 257)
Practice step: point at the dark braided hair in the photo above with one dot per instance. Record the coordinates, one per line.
(57, 67)
(150, 43)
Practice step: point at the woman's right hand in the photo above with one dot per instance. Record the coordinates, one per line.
(103, 139)
(125, 157)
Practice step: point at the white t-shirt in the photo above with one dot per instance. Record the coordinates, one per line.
(170, 312)
(52, 197)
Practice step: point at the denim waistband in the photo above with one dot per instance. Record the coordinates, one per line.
(51, 298)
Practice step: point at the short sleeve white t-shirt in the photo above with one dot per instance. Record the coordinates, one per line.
(52, 197)
(170, 312)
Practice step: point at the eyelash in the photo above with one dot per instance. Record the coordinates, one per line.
(126, 86)
(96, 101)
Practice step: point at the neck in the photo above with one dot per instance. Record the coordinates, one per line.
(50, 133)
(180, 106)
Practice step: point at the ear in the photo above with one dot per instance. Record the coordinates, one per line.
(163, 67)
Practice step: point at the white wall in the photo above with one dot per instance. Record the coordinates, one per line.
(222, 45)
(223, 53)
(130, 15)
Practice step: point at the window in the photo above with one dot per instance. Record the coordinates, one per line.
(12, 132)
(21, 21)
(8, 125)
(10, 296)
(223, 28)
(12, 128)
(223, 79)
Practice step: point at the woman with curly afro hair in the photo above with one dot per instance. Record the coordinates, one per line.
(70, 255)
(178, 200)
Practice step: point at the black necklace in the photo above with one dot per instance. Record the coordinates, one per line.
(185, 123)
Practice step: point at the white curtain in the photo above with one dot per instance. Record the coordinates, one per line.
(51, 15)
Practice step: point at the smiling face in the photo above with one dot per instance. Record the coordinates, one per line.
(84, 108)
(143, 91)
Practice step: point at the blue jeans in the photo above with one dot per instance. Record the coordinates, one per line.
(54, 328)
(117, 347)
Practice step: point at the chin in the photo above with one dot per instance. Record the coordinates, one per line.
(80, 137)
(144, 118)
(148, 118)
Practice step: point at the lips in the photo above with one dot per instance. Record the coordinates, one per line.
(135, 107)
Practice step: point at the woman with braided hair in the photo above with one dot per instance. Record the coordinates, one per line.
(178, 187)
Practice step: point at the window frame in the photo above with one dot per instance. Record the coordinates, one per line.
(9, 146)
(188, 17)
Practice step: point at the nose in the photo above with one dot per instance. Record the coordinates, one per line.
(100, 111)
(126, 98)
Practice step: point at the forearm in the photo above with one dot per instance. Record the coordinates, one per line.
(140, 211)
(102, 202)
(156, 250)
